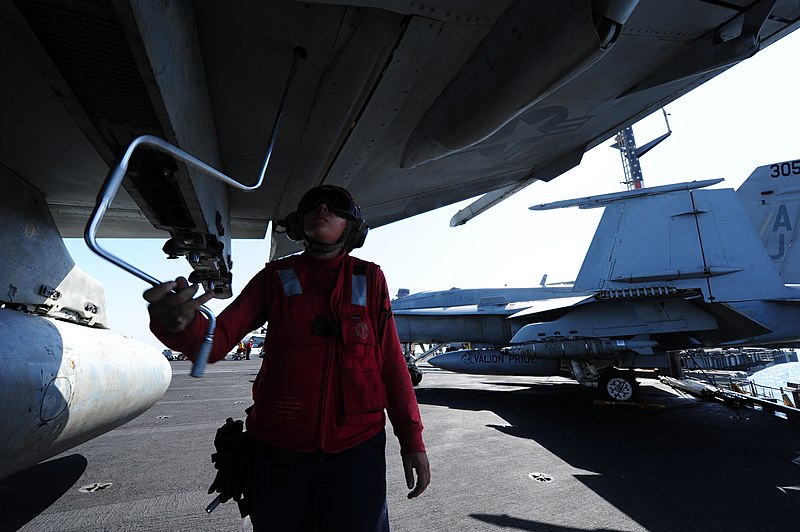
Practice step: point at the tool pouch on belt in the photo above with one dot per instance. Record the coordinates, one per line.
(233, 461)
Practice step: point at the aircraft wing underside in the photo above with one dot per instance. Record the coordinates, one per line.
(411, 107)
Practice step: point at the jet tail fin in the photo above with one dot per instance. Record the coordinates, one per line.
(680, 243)
(771, 197)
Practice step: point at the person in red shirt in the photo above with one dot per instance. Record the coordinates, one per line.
(334, 366)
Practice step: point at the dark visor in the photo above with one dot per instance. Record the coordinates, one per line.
(337, 201)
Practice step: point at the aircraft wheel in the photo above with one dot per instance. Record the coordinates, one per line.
(619, 386)
(416, 375)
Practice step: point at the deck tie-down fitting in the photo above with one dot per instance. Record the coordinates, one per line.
(117, 173)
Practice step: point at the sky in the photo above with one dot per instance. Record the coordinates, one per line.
(746, 117)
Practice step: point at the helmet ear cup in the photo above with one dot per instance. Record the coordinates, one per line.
(294, 226)
(359, 235)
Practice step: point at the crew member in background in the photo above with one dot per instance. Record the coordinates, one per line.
(334, 364)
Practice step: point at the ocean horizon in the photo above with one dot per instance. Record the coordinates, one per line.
(777, 376)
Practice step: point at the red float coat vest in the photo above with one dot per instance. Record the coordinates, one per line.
(332, 364)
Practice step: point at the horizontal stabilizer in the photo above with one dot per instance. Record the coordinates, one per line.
(732, 324)
(457, 297)
(601, 200)
(549, 305)
(496, 308)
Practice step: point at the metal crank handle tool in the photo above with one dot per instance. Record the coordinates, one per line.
(213, 505)
(114, 179)
(201, 358)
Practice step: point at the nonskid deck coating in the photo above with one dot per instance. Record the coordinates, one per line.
(507, 453)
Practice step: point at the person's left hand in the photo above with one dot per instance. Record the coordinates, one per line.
(416, 462)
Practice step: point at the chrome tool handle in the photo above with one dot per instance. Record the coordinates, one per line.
(200, 360)
(114, 179)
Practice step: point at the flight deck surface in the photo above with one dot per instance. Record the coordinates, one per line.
(507, 453)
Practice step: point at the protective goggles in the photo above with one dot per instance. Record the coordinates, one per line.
(337, 199)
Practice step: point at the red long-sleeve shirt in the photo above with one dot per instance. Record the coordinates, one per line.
(330, 366)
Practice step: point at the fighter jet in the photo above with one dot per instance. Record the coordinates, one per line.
(203, 121)
(669, 268)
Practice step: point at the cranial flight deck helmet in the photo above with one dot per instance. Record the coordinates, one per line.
(341, 203)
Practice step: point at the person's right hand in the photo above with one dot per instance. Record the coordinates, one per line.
(172, 304)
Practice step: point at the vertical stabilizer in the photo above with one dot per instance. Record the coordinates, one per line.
(642, 241)
(771, 197)
(679, 242)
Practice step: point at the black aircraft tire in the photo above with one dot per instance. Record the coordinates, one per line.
(619, 386)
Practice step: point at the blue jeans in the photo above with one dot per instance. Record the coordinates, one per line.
(319, 492)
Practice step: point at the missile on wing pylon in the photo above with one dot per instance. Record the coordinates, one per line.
(535, 358)
(494, 362)
(579, 348)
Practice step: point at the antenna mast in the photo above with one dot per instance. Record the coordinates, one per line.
(629, 153)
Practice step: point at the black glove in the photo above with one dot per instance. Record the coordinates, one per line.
(228, 460)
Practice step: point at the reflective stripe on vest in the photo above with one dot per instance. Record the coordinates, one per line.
(359, 290)
(291, 284)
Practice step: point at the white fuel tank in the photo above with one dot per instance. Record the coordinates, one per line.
(62, 384)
